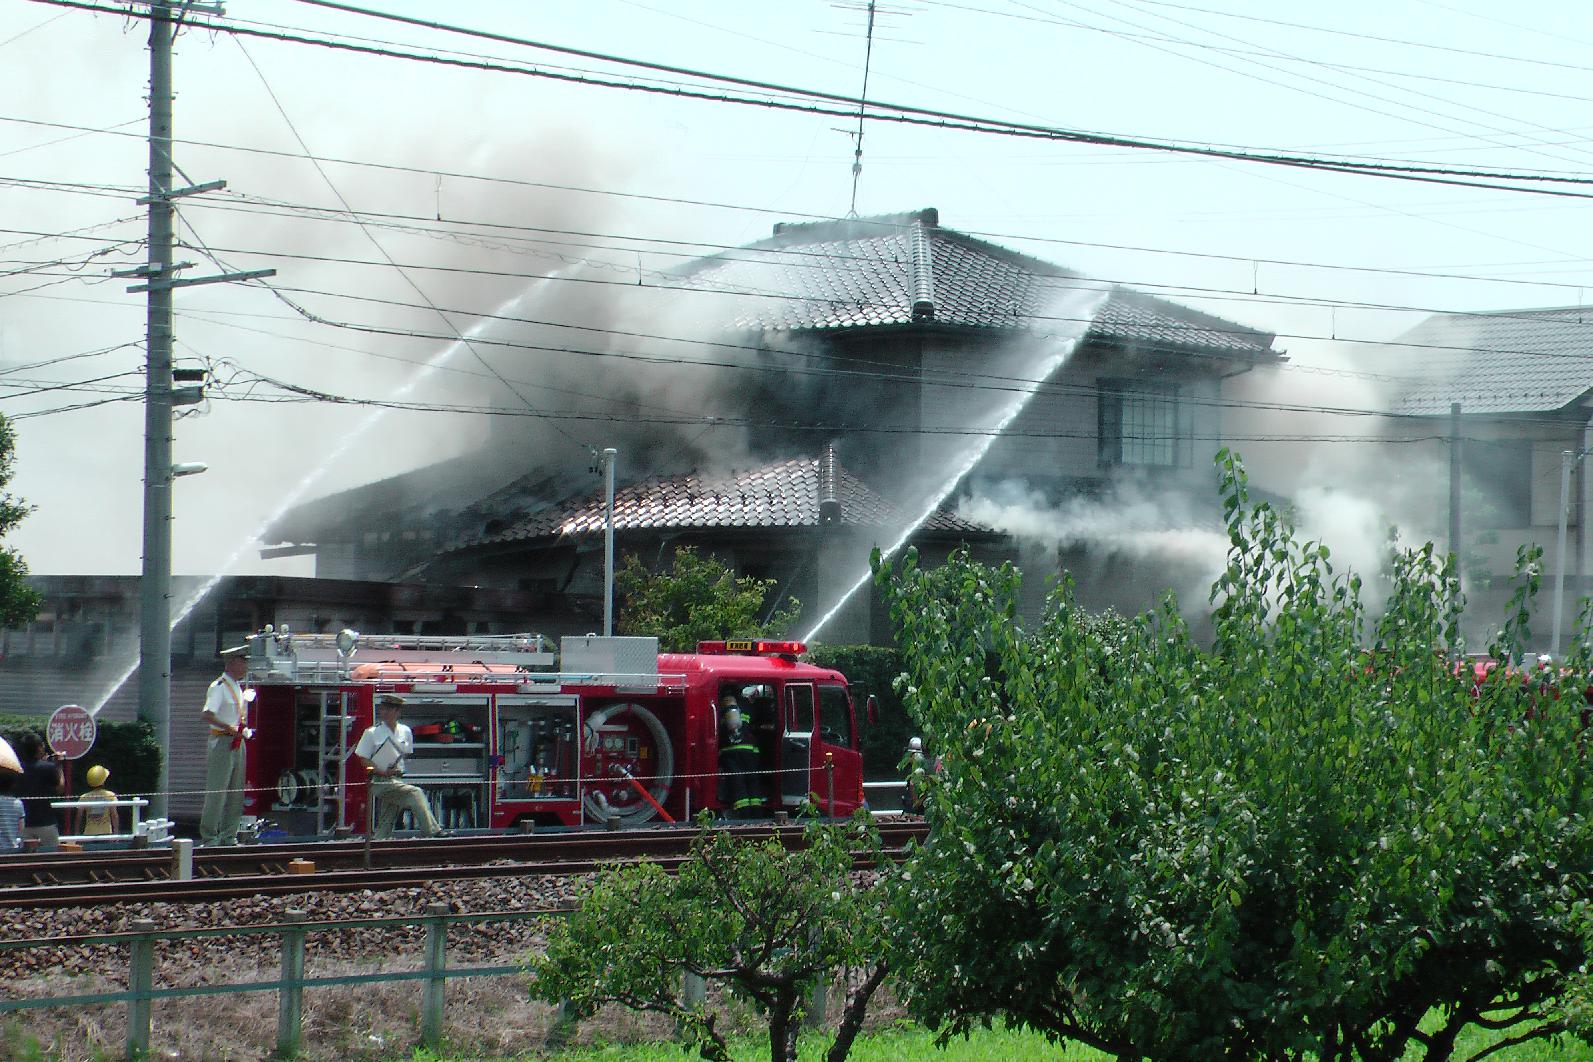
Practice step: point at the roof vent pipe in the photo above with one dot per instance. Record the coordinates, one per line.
(829, 504)
(923, 275)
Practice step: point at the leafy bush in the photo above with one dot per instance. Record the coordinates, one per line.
(1296, 842)
(765, 921)
(698, 599)
(873, 669)
(127, 749)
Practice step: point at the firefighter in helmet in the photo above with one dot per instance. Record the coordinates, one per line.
(738, 761)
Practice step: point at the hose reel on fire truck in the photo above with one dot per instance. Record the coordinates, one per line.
(620, 739)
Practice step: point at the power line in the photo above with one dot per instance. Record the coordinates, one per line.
(1273, 53)
(1234, 331)
(37, 387)
(711, 204)
(740, 82)
(74, 407)
(318, 395)
(1061, 281)
(838, 105)
(70, 357)
(427, 226)
(460, 336)
(1255, 51)
(1081, 283)
(956, 380)
(1401, 41)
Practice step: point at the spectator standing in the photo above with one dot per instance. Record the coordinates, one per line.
(99, 822)
(42, 782)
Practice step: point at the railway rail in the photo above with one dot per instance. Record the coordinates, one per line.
(97, 878)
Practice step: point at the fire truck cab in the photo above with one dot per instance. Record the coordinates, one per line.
(616, 733)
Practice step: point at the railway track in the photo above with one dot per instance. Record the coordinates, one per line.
(98, 878)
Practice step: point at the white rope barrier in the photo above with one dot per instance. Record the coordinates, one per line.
(547, 779)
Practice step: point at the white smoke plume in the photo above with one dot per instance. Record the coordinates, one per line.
(1162, 538)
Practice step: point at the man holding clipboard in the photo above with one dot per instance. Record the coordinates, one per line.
(382, 749)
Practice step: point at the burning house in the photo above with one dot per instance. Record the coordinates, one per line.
(886, 378)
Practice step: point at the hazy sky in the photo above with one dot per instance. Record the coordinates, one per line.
(1460, 82)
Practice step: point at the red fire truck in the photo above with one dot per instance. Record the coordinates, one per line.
(618, 732)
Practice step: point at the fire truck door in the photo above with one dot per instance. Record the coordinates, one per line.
(796, 744)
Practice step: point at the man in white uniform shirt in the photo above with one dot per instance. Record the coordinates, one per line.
(225, 712)
(382, 749)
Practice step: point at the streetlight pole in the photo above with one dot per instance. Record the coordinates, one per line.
(608, 541)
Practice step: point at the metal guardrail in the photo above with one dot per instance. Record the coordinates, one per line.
(156, 830)
(142, 992)
(880, 787)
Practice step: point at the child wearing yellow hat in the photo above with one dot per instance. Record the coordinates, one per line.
(99, 821)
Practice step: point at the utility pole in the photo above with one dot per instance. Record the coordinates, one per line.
(160, 394)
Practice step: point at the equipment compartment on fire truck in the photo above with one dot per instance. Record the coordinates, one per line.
(619, 734)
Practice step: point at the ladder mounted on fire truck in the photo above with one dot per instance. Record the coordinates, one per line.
(279, 656)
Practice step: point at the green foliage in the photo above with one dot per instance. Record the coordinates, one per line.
(128, 750)
(697, 599)
(19, 602)
(1296, 842)
(873, 669)
(763, 920)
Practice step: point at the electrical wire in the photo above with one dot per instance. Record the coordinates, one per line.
(319, 395)
(952, 380)
(97, 352)
(844, 107)
(870, 267)
(459, 335)
(1352, 68)
(685, 339)
(1401, 41)
(1255, 260)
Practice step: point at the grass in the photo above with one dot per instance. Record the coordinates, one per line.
(901, 1043)
(907, 1042)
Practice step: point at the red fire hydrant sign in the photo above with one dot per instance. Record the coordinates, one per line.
(71, 731)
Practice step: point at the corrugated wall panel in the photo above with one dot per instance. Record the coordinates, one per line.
(39, 685)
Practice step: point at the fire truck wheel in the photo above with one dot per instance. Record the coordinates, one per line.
(614, 798)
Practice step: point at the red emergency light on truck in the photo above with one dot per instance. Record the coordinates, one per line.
(618, 732)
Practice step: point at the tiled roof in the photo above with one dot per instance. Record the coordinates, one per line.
(783, 494)
(904, 269)
(1518, 361)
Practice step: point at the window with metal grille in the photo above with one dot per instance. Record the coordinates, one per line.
(1143, 425)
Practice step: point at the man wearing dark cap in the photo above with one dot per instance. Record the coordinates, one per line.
(226, 713)
(382, 749)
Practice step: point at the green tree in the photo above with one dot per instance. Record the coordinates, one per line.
(873, 669)
(766, 921)
(1297, 842)
(697, 599)
(19, 602)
